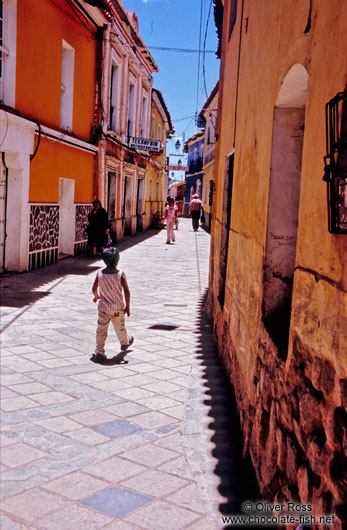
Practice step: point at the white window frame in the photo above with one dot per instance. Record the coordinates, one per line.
(115, 92)
(8, 50)
(144, 111)
(67, 86)
(153, 127)
(131, 121)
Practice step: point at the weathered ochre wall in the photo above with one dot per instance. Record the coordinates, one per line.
(153, 172)
(291, 409)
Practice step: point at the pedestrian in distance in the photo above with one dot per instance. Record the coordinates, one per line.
(97, 228)
(109, 287)
(195, 209)
(170, 216)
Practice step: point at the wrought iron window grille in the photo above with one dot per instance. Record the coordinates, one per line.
(335, 162)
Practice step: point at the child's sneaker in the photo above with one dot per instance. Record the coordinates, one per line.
(98, 358)
(126, 346)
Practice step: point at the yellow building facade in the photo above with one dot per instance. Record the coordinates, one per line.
(208, 114)
(156, 185)
(278, 277)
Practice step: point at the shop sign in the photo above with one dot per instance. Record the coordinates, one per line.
(145, 144)
(176, 168)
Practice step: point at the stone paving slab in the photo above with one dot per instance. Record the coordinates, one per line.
(145, 443)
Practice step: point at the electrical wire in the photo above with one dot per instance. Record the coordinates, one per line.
(184, 130)
(161, 48)
(183, 119)
(4, 137)
(38, 142)
(70, 3)
(199, 56)
(184, 50)
(204, 49)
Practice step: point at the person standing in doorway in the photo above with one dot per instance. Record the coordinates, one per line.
(195, 209)
(97, 228)
(170, 216)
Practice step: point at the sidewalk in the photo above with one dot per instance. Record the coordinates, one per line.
(149, 442)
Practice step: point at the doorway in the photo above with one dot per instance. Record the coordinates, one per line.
(111, 198)
(139, 204)
(127, 205)
(210, 199)
(66, 217)
(283, 206)
(226, 222)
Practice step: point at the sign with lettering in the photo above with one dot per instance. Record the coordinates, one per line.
(146, 144)
(176, 168)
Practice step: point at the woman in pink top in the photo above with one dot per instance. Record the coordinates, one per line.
(195, 207)
(170, 216)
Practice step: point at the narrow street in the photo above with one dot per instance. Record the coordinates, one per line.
(149, 441)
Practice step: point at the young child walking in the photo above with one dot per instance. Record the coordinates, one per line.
(170, 216)
(109, 285)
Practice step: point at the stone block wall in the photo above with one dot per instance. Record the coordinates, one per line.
(294, 423)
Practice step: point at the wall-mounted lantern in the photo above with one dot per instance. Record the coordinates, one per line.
(200, 121)
(178, 145)
(335, 171)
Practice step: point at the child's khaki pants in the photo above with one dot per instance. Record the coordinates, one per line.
(118, 322)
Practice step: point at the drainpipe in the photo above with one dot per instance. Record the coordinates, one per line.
(5, 213)
(104, 98)
(238, 73)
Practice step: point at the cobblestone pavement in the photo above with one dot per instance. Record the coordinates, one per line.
(149, 441)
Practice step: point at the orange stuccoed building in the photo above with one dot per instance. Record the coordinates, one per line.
(48, 113)
(75, 125)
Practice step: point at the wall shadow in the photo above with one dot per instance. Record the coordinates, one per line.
(237, 477)
(18, 289)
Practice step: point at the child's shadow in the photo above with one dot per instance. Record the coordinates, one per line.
(117, 359)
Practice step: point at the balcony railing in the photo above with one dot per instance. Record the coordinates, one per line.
(209, 157)
(196, 165)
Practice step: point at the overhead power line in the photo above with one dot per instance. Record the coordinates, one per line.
(183, 50)
(160, 48)
(204, 51)
(198, 76)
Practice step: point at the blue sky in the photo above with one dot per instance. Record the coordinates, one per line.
(176, 24)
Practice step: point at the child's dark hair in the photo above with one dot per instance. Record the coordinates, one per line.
(111, 257)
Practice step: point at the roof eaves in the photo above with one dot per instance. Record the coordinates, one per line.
(166, 110)
(209, 99)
